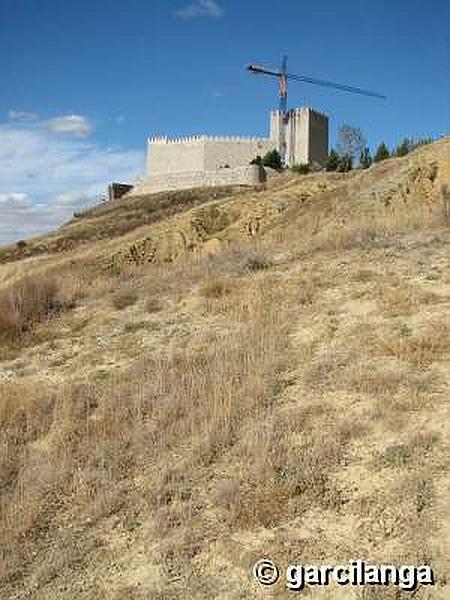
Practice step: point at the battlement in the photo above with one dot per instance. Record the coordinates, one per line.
(195, 139)
(299, 111)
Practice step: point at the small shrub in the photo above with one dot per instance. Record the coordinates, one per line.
(134, 326)
(21, 244)
(236, 260)
(409, 453)
(364, 275)
(302, 169)
(153, 305)
(215, 288)
(255, 260)
(27, 303)
(10, 322)
(345, 163)
(432, 344)
(124, 298)
(333, 161)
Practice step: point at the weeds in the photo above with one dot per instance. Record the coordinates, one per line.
(238, 260)
(153, 305)
(411, 453)
(28, 303)
(124, 298)
(422, 349)
(215, 288)
(255, 261)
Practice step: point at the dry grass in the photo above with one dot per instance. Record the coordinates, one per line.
(255, 260)
(30, 302)
(207, 425)
(215, 288)
(289, 407)
(421, 349)
(89, 441)
(198, 441)
(411, 453)
(124, 298)
(238, 259)
(153, 305)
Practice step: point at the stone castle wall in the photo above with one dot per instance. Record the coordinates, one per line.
(203, 153)
(237, 152)
(247, 176)
(165, 156)
(204, 161)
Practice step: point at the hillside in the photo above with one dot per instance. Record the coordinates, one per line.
(192, 381)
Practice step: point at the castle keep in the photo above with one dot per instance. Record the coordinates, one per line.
(305, 133)
(203, 161)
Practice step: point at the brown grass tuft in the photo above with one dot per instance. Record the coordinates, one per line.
(410, 454)
(153, 305)
(255, 260)
(422, 349)
(215, 288)
(27, 303)
(124, 298)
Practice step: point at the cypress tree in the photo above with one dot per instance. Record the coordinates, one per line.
(365, 159)
(382, 153)
(333, 161)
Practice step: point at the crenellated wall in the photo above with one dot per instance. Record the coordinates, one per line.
(202, 159)
(164, 139)
(203, 153)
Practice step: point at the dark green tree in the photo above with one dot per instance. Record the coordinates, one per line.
(272, 159)
(333, 160)
(345, 163)
(365, 158)
(404, 148)
(382, 153)
(421, 142)
(256, 161)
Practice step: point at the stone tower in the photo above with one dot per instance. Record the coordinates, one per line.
(306, 136)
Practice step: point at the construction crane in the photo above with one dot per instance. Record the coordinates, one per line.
(283, 76)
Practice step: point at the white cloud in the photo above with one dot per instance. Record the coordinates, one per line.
(20, 217)
(72, 124)
(44, 178)
(200, 8)
(21, 115)
(13, 200)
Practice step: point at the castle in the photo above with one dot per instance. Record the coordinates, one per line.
(300, 135)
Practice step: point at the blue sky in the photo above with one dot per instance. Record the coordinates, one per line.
(84, 83)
